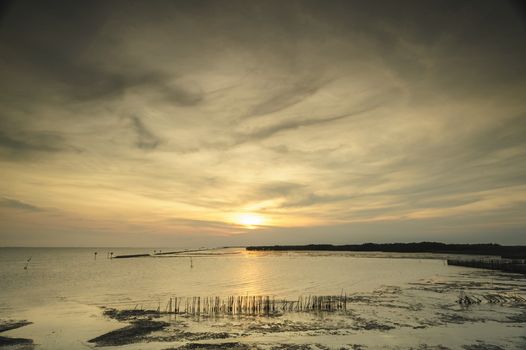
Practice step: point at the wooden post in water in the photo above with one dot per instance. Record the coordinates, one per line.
(259, 304)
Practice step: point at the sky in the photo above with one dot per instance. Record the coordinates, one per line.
(210, 123)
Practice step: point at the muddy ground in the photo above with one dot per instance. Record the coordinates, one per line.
(11, 342)
(417, 311)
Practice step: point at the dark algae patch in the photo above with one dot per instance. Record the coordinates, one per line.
(127, 315)
(5, 341)
(178, 335)
(242, 346)
(8, 325)
(220, 346)
(21, 343)
(144, 323)
(518, 318)
(482, 346)
(134, 333)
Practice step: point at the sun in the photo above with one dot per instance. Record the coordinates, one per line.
(250, 220)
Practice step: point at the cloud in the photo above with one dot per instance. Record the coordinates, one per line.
(146, 140)
(24, 144)
(38, 142)
(15, 204)
(311, 113)
(266, 132)
(508, 133)
(286, 97)
(183, 95)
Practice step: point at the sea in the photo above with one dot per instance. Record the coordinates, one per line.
(396, 301)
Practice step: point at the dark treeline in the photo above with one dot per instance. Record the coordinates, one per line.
(421, 247)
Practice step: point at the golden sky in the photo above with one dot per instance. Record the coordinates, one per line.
(259, 122)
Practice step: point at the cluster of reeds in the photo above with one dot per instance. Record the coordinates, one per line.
(252, 305)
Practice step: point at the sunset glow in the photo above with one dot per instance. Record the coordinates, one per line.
(192, 123)
(235, 174)
(250, 221)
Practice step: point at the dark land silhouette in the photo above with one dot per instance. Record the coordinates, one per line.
(509, 252)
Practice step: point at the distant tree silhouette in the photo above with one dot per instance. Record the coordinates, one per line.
(421, 247)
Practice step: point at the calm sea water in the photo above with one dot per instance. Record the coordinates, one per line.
(73, 274)
(63, 289)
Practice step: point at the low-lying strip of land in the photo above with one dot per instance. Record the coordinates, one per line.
(510, 252)
(157, 254)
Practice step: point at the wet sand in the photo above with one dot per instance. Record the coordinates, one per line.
(422, 315)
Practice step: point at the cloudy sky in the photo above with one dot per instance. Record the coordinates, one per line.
(184, 123)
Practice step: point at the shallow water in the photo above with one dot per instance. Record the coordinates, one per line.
(74, 275)
(63, 289)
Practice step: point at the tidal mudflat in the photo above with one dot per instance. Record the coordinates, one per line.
(67, 299)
